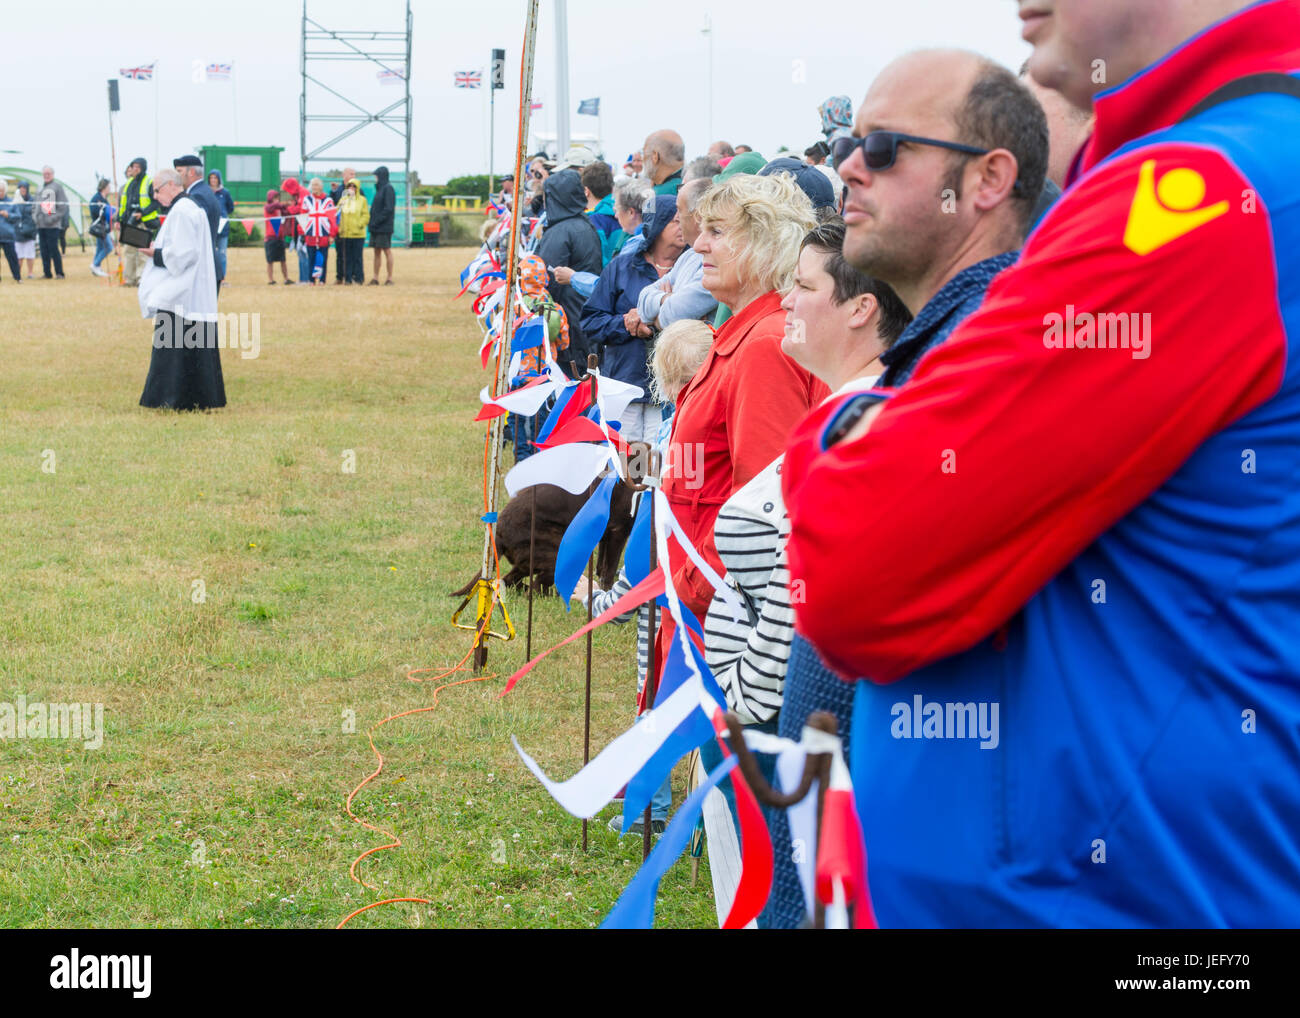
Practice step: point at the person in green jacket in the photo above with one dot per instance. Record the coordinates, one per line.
(664, 154)
(354, 217)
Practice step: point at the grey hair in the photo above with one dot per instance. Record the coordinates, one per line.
(694, 191)
(167, 175)
(4, 187)
(632, 194)
(701, 168)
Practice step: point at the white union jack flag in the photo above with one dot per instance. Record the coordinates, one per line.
(142, 73)
(469, 79)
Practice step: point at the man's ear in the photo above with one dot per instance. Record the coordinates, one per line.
(997, 173)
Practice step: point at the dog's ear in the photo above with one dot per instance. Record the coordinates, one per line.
(638, 461)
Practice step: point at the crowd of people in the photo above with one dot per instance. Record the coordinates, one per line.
(180, 271)
(295, 219)
(1047, 586)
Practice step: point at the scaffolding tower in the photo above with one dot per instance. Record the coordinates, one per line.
(390, 52)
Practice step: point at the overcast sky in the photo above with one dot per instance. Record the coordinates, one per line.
(773, 63)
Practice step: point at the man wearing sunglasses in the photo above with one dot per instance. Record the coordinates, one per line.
(1089, 533)
(941, 179)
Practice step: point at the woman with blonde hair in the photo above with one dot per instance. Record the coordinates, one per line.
(735, 414)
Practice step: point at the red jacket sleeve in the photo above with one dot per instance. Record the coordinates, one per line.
(1006, 454)
(772, 395)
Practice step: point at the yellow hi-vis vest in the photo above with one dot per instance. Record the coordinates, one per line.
(130, 200)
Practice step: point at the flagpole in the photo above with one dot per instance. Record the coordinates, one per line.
(489, 582)
(112, 147)
(234, 102)
(157, 152)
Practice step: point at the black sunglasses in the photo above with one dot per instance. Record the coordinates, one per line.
(880, 148)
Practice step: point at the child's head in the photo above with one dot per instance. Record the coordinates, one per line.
(680, 351)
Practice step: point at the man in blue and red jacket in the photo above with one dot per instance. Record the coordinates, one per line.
(1070, 577)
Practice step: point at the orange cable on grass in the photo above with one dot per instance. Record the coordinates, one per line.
(396, 842)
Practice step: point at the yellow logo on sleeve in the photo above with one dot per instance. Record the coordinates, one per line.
(1163, 211)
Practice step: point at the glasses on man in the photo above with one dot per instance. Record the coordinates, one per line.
(880, 148)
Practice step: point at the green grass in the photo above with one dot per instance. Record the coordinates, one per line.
(217, 799)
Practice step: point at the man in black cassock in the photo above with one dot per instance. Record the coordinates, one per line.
(179, 289)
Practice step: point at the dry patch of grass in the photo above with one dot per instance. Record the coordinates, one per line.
(217, 797)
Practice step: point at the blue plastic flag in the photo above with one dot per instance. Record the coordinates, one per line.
(581, 538)
(635, 908)
(528, 335)
(636, 556)
(692, 732)
(561, 401)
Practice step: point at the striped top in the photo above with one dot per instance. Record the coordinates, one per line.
(749, 657)
(603, 600)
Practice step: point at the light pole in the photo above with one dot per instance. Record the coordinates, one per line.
(561, 78)
(708, 31)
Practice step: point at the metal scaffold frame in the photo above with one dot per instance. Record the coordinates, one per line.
(389, 51)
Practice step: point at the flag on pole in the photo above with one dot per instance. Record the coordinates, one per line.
(469, 79)
(142, 73)
(589, 108)
(218, 72)
(390, 77)
(536, 106)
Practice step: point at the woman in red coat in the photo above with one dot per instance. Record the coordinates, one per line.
(734, 416)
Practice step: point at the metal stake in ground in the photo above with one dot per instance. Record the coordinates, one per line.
(592, 364)
(586, 705)
(532, 576)
(651, 673)
(649, 482)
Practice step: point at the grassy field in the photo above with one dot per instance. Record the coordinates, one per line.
(217, 798)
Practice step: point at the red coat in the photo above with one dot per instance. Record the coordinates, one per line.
(733, 419)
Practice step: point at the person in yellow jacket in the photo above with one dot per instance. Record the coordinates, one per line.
(137, 207)
(354, 217)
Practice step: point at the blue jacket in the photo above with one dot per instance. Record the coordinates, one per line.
(100, 209)
(25, 225)
(1082, 694)
(606, 224)
(569, 239)
(207, 201)
(7, 232)
(622, 356)
(225, 204)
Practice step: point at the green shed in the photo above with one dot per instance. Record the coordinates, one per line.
(248, 171)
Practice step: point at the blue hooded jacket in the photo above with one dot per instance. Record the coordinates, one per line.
(224, 202)
(624, 356)
(7, 232)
